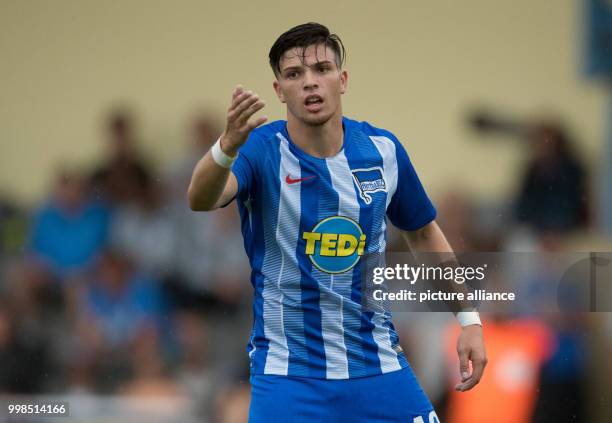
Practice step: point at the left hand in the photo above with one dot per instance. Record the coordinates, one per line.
(470, 347)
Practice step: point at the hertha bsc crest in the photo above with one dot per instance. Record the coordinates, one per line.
(369, 180)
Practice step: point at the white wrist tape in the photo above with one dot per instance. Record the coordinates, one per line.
(467, 318)
(220, 157)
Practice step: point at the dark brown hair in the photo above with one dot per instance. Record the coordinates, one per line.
(302, 36)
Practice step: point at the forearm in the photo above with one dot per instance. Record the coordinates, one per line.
(207, 185)
(429, 246)
(470, 344)
(428, 239)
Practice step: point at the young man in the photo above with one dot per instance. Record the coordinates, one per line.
(314, 192)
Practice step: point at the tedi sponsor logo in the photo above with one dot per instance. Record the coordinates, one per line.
(335, 244)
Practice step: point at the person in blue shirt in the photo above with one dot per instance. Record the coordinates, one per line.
(71, 228)
(314, 194)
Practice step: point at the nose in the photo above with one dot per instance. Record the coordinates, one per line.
(310, 79)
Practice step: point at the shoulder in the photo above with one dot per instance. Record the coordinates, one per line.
(262, 139)
(370, 130)
(267, 131)
(376, 134)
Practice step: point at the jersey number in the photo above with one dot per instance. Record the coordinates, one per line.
(433, 418)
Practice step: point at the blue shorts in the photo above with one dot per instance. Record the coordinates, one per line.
(389, 398)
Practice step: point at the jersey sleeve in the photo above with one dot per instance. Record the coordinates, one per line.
(410, 207)
(245, 167)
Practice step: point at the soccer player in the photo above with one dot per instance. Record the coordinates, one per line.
(314, 193)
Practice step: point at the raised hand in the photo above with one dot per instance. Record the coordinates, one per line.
(239, 123)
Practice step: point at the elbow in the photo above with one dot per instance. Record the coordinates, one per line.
(195, 207)
(198, 207)
(193, 202)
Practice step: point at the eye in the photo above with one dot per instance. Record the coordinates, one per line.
(323, 68)
(292, 74)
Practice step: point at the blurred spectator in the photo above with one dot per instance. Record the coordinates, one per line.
(455, 216)
(204, 130)
(119, 306)
(553, 194)
(562, 390)
(209, 259)
(120, 302)
(150, 377)
(71, 228)
(196, 373)
(24, 361)
(151, 393)
(232, 405)
(145, 232)
(544, 282)
(123, 173)
(26, 332)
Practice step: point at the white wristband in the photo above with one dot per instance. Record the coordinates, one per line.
(467, 318)
(220, 157)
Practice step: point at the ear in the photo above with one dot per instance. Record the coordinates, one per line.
(343, 81)
(278, 91)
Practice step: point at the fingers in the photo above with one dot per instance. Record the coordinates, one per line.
(237, 91)
(478, 365)
(464, 365)
(246, 108)
(244, 105)
(251, 110)
(238, 98)
(257, 122)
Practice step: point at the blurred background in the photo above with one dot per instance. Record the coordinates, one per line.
(116, 297)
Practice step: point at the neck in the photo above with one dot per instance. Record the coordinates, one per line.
(317, 140)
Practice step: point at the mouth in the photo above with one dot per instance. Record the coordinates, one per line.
(313, 103)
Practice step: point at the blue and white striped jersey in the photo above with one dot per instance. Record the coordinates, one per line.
(306, 223)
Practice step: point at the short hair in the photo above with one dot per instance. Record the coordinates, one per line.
(302, 36)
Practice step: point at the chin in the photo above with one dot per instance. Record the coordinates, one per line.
(316, 120)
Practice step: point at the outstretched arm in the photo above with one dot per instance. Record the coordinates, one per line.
(213, 185)
(470, 344)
